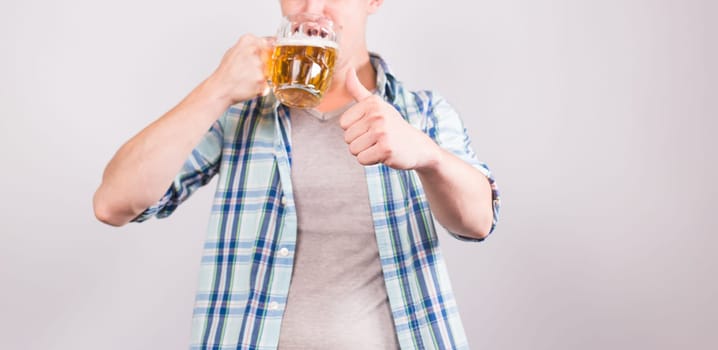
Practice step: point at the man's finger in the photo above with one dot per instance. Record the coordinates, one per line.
(354, 86)
(362, 143)
(357, 129)
(372, 155)
(351, 115)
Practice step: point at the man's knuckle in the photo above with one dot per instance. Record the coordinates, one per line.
(244, 39)
(379, 122)
(380, 134)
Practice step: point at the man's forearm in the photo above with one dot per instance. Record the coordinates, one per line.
(144, 167)
(460, 196)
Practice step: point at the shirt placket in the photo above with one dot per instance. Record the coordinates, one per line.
(287, 241)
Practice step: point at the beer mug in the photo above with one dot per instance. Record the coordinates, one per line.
(303, 59)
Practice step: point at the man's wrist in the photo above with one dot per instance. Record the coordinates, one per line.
(432, 161)
(213, 90)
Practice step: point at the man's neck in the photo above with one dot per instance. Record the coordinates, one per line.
(337, 96)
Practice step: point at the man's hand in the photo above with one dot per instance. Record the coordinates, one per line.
(459, 195)
(376, 133)
(242, 73)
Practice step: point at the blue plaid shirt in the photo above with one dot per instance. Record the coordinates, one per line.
(248, 255)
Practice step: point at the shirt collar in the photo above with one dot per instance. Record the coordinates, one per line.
(385, 80)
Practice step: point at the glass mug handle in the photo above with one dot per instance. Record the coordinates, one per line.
(266, 56)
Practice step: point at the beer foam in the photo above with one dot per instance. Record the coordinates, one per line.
(306, 41)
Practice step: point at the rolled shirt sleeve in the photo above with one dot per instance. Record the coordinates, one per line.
(199, 168)
(446, 128)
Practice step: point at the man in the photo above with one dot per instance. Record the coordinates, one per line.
(320, 236)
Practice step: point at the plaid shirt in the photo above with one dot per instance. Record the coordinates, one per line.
(248, 255)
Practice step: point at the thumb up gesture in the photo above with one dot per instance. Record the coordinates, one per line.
(377, 133)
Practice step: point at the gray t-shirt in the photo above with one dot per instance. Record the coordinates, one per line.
(337, 297)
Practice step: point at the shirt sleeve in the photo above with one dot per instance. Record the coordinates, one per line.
(199, 168)
(446, 128)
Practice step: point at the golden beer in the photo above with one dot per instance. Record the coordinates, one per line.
(301, 71)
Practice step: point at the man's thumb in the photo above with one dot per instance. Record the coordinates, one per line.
(354, 86)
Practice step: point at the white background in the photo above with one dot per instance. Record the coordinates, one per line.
(597, 117)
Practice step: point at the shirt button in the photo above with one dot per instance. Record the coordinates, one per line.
(273, 305)
(283, 200)
(284, 252)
